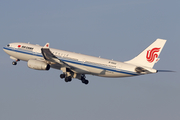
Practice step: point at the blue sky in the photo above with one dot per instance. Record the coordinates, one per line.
(113, 29)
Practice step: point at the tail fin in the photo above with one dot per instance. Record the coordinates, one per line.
(150, 55)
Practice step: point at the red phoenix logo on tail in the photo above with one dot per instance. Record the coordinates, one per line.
(151, 54)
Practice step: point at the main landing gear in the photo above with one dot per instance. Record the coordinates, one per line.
(69, 78)
(83, 79)
(66, 78)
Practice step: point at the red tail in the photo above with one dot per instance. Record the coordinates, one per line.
(151, 54)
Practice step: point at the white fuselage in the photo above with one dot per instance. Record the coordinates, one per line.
(88, 64)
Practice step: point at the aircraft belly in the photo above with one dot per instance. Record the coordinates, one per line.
(84, 69)
(115, 75)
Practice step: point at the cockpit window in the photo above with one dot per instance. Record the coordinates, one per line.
(8, 45)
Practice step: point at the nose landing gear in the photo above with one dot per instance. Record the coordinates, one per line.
(15, 62)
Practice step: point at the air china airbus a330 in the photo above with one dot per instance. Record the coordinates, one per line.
(74, 65)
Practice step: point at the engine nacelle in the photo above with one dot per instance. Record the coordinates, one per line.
(38, 65)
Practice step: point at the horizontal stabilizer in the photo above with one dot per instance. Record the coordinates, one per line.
(165, 71)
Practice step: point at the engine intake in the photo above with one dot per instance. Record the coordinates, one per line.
(38, 65)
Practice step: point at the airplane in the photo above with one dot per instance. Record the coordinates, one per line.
(76, 65)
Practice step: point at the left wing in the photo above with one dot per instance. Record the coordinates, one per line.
(51, 58)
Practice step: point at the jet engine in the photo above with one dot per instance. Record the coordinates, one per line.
(38, 65)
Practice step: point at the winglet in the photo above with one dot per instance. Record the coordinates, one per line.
(46, 45)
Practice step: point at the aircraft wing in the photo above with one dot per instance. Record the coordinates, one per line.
(51, 58)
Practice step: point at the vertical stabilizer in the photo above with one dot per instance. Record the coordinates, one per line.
(150, 55)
